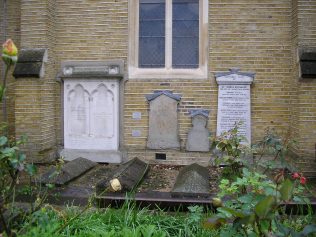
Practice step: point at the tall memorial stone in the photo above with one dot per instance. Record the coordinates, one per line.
(163, 120)
(234, 101)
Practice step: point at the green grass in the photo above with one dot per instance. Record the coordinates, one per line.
(128, 221)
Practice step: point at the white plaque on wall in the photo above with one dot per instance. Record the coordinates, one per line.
(234, 102)
(91, 114)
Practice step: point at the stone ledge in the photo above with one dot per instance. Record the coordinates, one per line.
(100, 156)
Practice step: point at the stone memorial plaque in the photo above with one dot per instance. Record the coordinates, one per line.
(234, 102)
(163, 121)
(137, 115)
(91, 109)
(136, 133)
(91, 114)
(192, 180)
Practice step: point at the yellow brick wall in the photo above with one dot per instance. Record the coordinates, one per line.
(35, 110)
(258, 36)
(304, 99)
(90, 30)
(10, 29)
(252, 35)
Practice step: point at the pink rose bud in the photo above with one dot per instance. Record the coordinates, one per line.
(9, 52)
(296, 176)
(9, 48)
(303, 180)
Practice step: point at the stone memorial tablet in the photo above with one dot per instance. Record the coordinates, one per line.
(91, 109)
(234, 102)
(163, 120)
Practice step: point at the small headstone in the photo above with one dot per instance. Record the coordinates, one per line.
(163, 120)
(198, 136)
(128, 174)
(192, 180)
(68, 172)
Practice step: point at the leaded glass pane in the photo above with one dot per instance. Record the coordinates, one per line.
(152, 34)
(185, 33)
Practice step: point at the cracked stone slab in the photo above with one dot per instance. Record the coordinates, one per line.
(192, 181)
(129, 175)
(68, 172)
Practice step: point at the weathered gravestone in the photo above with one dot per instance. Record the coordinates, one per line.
(234, 102)
(198, 136)
(68, 172)
(163, 120)
(192, 181)
(127, 176)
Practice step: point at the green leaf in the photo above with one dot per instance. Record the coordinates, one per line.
(282, 229)
(31, 169)
(22, 157)
(265, 224)
(247, 220)
(50, 186)
(309, 229)
(231, 212)
(148, 231)
(248, 198)
(263, 208)
(278, 147)
(8, 151)
(214, 222)
(3, 140)
(2, 92)
(286, 190)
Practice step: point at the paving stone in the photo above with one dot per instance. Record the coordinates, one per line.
(69, 171)
(128, 174)
(192, 180)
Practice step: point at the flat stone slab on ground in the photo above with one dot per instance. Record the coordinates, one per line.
(193, 180)
(129, 175)
(68, 172)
